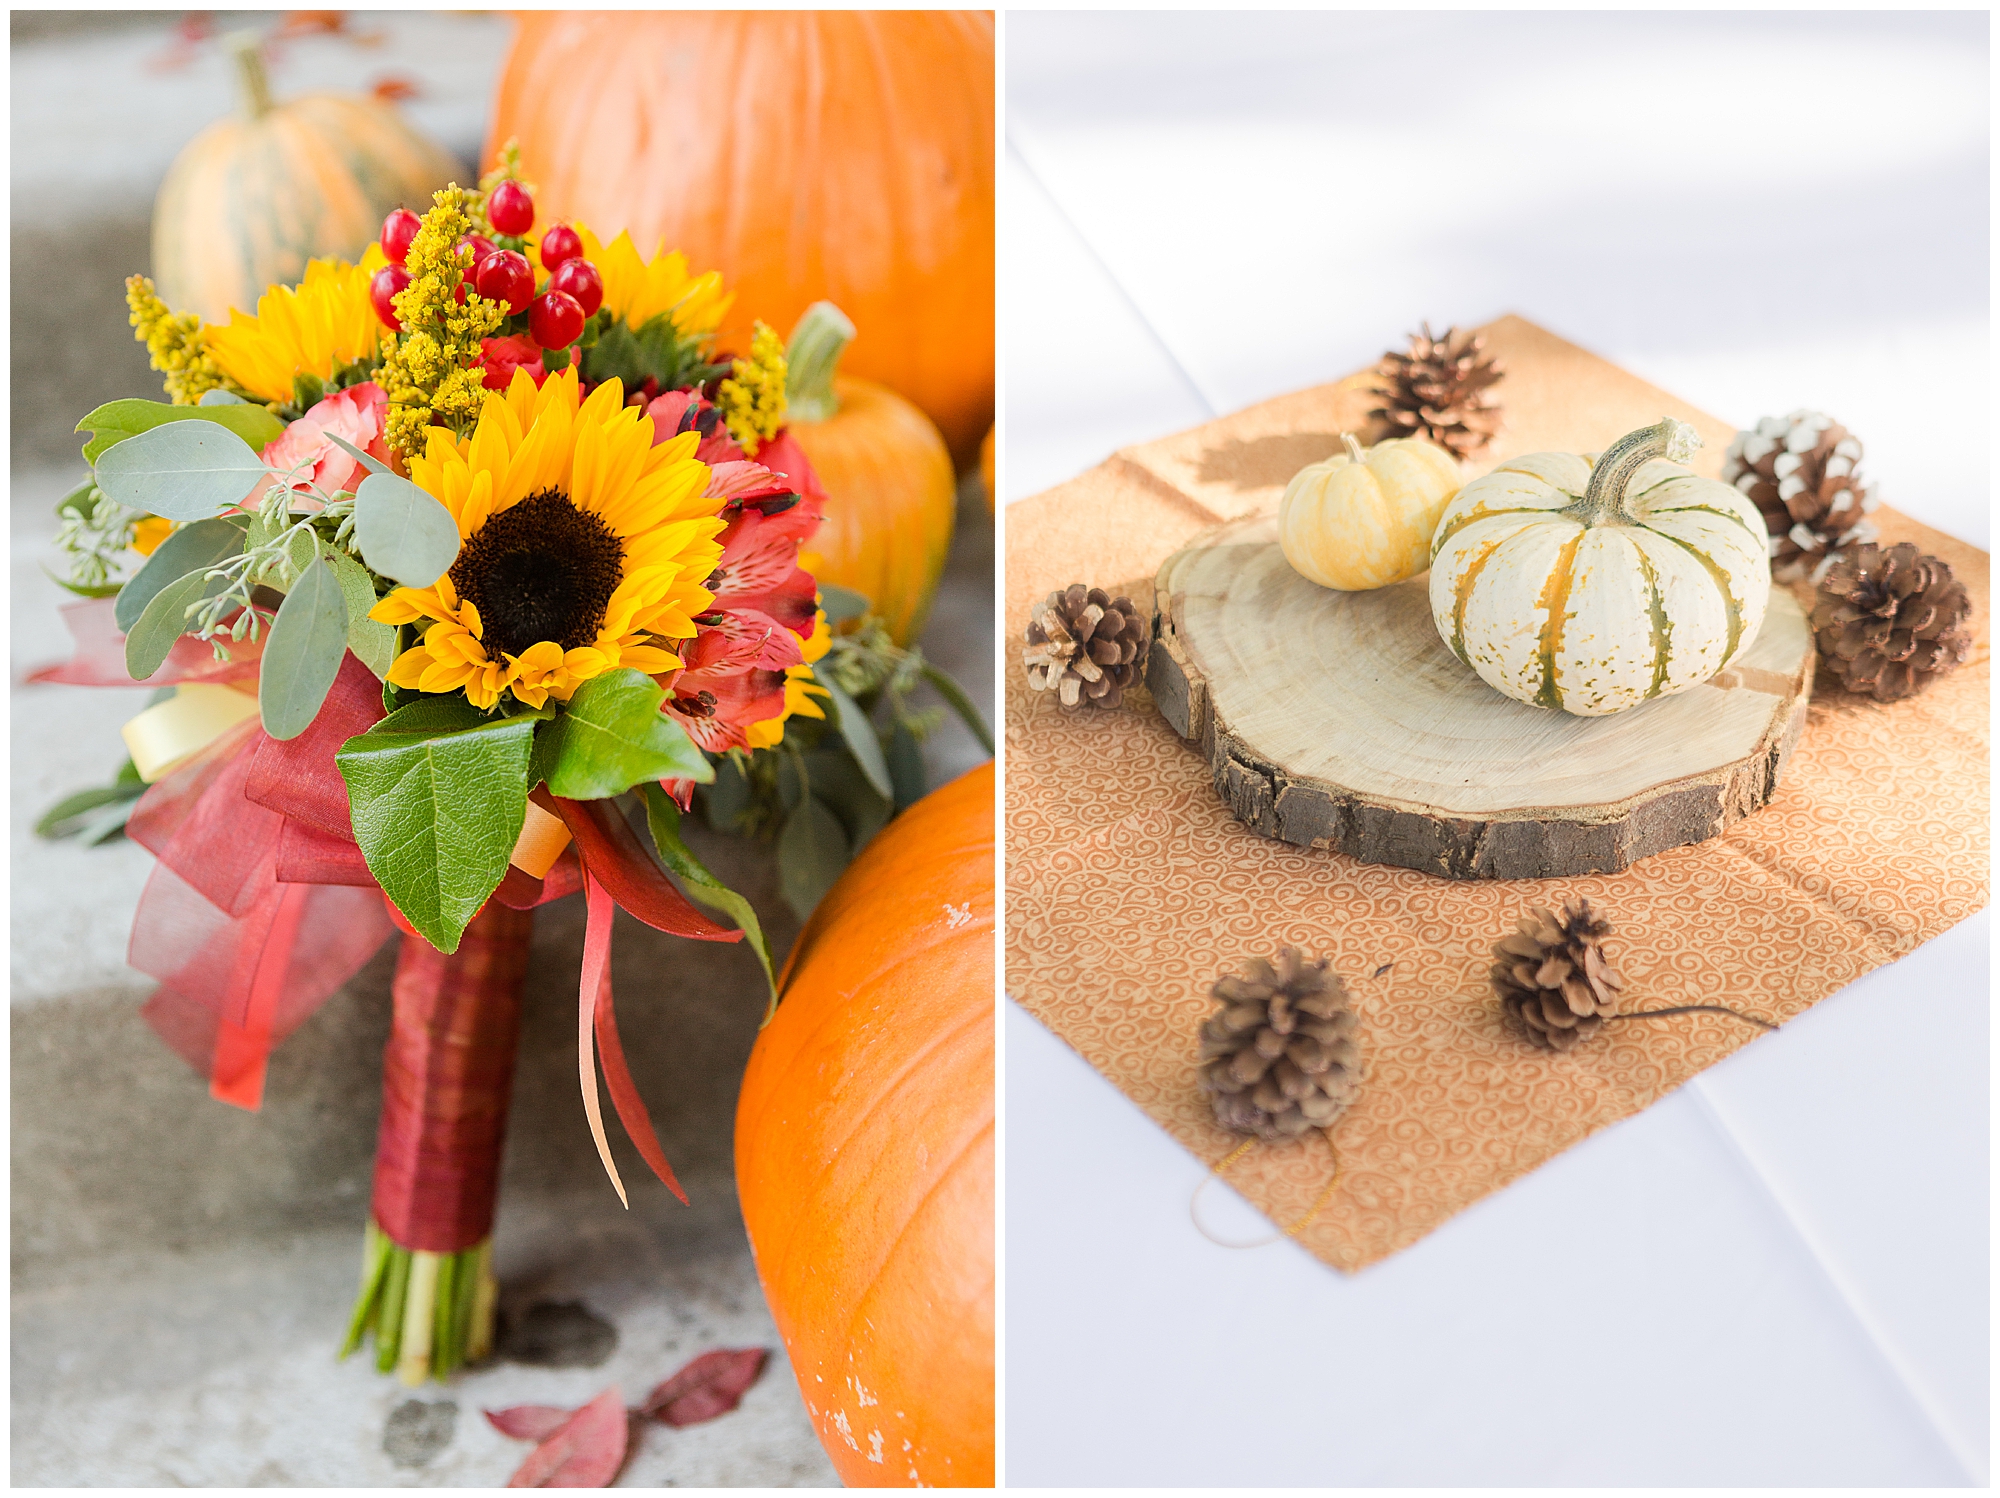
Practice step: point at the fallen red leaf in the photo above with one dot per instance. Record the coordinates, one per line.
(713, 1384)
(585, 1451)
(528, 1422)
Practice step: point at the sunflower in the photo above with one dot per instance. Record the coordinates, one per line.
(799, 684)
(638, 290)
(583, 547)
(328, 321)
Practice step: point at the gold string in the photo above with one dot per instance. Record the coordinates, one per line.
(1296, 1228)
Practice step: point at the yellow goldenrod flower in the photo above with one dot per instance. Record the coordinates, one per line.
(176, 342)
(752, 400)
(432, 372)
(326, 322)
(799, 686)
(639, 290)
(583, 547)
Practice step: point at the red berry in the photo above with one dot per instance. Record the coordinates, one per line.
(509, 209)
(507, 278)
(480, 246)
(580, 279)
(389, 280)
(398, 229)
(559, 244)
(555, 320)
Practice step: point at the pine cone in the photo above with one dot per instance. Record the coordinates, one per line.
(1085, 646)
(1278, 1054)
(1436, 391)
(1552, 977)
(1801, 472)
(1887, 622)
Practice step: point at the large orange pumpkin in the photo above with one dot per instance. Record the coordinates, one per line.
(864, 1151)
(844, 155)
(891, 498)
(251, 199)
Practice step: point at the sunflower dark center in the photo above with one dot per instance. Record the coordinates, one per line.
(543, 570)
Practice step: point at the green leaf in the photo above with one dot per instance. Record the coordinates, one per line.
(372, 641)
(71, 816)
(192, 548)
(438, 795)
(906, 766)
(403, 532)
(860, 736)
(184, 470)
(78, 501)
(838, 781)
(164, 621)
(841, 604)
(613, 735)
(961, 703)
(812, 850)
(302, 656)
(113, 423)
(663, 818)
(84, 590)
(727, 800)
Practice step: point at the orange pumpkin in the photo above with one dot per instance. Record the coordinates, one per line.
(844, 155)
(251, 199)
(891, 498)
(986, 471)
(864, 1151)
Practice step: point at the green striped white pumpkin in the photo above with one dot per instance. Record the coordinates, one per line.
(1596, 587)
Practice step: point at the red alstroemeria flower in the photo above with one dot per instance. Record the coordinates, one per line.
(760, 580)
(721, 690)
(305, 449)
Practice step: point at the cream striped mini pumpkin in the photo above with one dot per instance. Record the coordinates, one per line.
(1594, 587)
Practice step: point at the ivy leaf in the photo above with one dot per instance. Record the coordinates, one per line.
(192, 548)
(613, 735)
(164, 621)
(663, 820)
(112, 423)
(860, 736)
(184, 470)
(403, 532)
(303, 654)
(438, 795)
(812, 851)
(372, 641)
(841, 604)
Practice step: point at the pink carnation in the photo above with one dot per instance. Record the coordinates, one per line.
(305, 450)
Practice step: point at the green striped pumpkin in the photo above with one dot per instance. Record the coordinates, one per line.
(1595, 587)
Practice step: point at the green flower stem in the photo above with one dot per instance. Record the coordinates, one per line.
(811, 359)
(430, 1314)
(961, 704)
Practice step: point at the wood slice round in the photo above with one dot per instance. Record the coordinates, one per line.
(1341, 720)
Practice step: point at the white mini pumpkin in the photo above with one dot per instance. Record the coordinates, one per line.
(1363, 518)
(1593, 587)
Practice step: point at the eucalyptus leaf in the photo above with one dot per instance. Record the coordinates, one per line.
(841, 604)
(611, 736)
(151, 639)
(727, 800)
(184, 470)
(303, 654)
(220, 397)
(403, 532)
(438, 809)
(906, 766)
(812, 850)
(192, 548)
(373, 465)
(84, 590)
(113, 423)
(961, 703)
(860, 736)
(848, 794)
(78, 500)
(372, 641)
(663, 819)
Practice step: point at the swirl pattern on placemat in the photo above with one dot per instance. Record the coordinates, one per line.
(1130, 888)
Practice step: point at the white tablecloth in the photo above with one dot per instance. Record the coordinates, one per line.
(1779, 1274)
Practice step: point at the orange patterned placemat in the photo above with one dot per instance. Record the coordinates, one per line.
(1130, 887)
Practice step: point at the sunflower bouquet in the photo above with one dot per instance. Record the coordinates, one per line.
(453, 569)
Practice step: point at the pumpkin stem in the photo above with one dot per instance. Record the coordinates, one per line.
(248, 51)
(1604, 500)
(1354, 452)
(811, 358)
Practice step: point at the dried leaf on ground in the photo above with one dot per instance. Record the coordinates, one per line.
(585, 1451)
(713, 1384)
